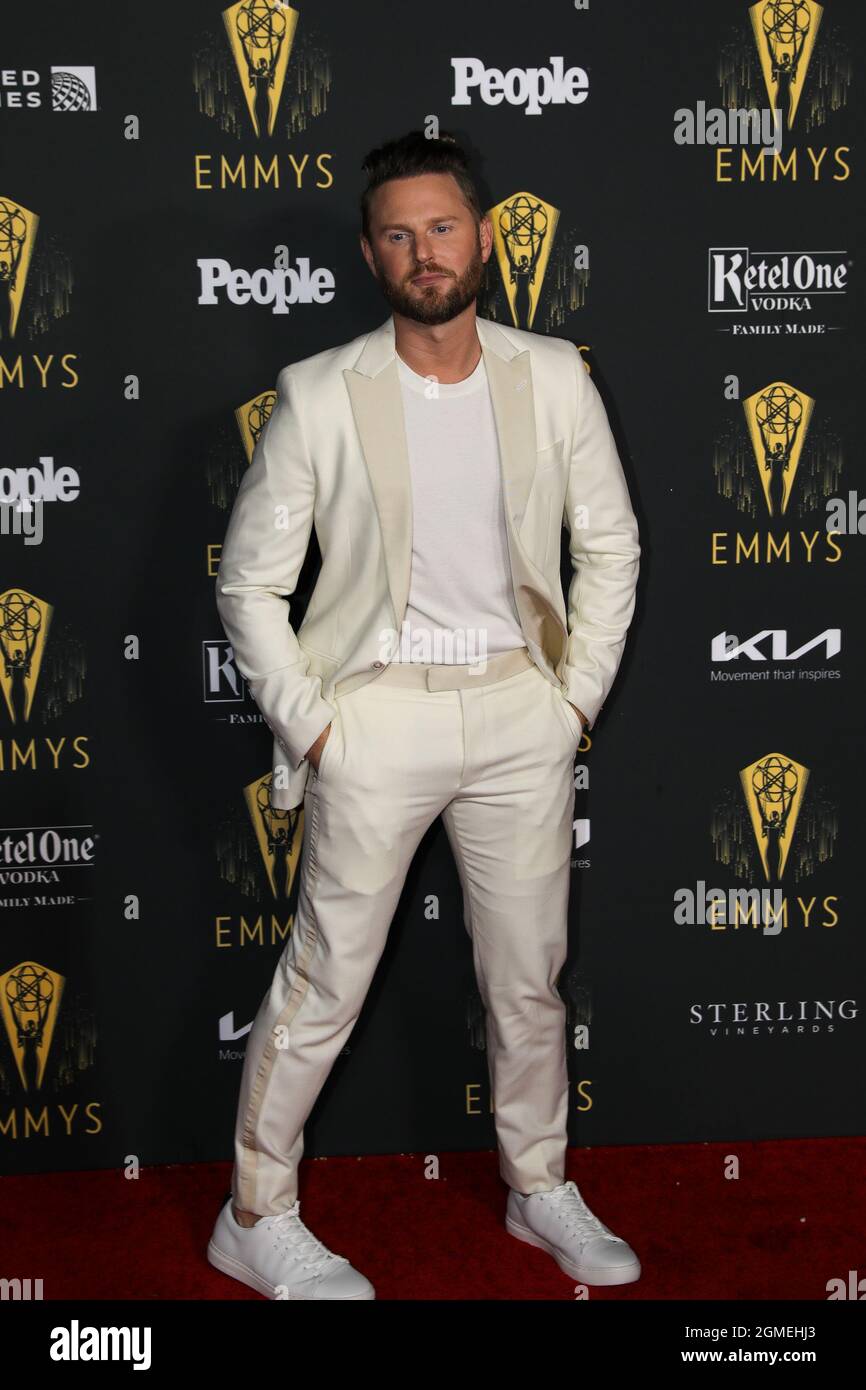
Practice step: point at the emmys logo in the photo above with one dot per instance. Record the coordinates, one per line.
(778, 418)
(24, 624)
(278, 835)
(758, 821)
(245, 83)
(783, 37)
(785, 32)
(279, 286)
(742, 281)
(30, 997)
(757, 467)
(252, 417)
(17, 237)
(774, 788)
(260, 36)
(277, 832)
(531, 88)
(524, 227)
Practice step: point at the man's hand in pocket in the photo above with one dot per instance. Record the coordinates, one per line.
(314, 752)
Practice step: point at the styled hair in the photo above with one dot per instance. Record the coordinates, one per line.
(413, 154)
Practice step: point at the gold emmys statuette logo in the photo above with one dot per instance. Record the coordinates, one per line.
(30, 997)
(17, 237)
(252, 417)
(773, 788)
(778, 418)
(24, 624)
(524, 228)
(260, 35)
(785, 32)
(279, 835)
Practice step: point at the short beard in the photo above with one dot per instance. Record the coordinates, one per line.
(435, 305)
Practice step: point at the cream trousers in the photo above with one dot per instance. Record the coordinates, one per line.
(493, 753)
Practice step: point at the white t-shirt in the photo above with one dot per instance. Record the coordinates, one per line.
(461, 602)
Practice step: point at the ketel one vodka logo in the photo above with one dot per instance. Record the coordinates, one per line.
(773, 788)
(17, 238)
(252, 417)
(260, 35)
(24, 624)
(30, 997)
(524, 227)
(785, 33)
(278, 835)
(778, 420)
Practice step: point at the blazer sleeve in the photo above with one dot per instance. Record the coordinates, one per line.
(605, 554)
(262, 554)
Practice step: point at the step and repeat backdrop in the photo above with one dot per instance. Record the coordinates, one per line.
(677, 190)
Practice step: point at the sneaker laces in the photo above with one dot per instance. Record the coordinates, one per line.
(572, 1209)
(289, 1230)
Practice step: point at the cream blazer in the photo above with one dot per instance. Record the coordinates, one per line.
(333, 455)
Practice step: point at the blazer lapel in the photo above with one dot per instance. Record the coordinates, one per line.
(376, 399)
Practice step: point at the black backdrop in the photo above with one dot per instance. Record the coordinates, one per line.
(134, 963)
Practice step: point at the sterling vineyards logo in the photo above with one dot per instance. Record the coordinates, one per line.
(771, 1017)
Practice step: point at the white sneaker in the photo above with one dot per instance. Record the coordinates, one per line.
(560, 1222)
(280, 1258)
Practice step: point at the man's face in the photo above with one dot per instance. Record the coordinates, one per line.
(425, 249)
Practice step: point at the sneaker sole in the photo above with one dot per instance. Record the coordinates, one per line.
(236, 1270)
(626, 1274)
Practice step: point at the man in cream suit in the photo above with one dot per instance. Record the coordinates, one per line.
(438, 671)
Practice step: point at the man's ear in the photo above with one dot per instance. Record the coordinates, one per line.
(365, 248)
(485, 231)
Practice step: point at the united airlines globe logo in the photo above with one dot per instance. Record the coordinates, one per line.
(68, 92)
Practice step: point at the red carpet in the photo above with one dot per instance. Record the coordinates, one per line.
(793, 1219)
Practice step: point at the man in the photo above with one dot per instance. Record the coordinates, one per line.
(436, 671)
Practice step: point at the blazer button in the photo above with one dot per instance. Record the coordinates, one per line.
(377, 664)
